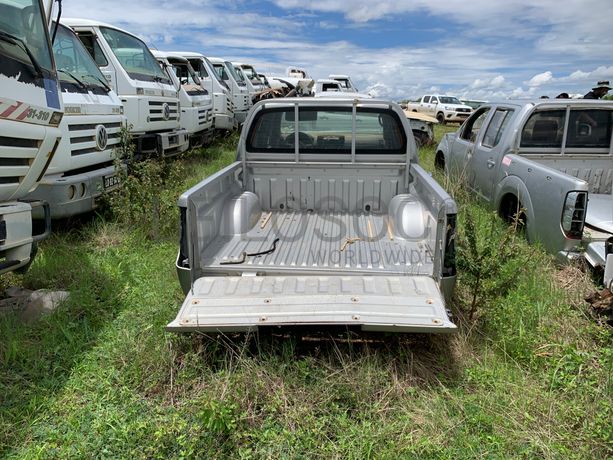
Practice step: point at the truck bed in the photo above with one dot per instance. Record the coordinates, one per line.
(315, 242)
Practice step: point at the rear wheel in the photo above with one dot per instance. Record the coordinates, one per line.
(511, 210)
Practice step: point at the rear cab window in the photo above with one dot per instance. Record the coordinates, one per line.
(588, 128)
(327, 130)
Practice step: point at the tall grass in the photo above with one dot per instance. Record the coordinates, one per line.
(529, 376)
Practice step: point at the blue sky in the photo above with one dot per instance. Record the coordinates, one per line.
(482, 49)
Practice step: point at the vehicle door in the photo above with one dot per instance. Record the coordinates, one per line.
(485, 159)
(463, 147)
(90, 40)
(432, 106)
(425, 104)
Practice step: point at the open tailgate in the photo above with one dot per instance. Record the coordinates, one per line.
(376, 303)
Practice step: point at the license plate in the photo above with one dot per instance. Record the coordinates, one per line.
(110, 181)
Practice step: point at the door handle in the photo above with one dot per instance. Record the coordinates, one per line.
(491, 163)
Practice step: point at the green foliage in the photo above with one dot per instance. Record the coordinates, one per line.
(147, 197)
(488, 257)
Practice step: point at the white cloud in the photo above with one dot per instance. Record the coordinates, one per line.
(483, 60)
(540, 79)
(496, 82)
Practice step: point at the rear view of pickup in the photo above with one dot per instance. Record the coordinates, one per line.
(325, 218)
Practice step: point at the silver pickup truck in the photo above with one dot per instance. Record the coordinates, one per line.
(541, 158)
(325, 219)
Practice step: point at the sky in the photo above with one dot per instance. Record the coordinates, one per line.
(477, 49)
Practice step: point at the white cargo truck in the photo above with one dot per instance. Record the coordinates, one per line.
(82, 168)
(252, 78)
(196, 104)
(223, 107)
(30, 114)
(237, 85)
(150, 100)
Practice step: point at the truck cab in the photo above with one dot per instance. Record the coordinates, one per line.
(325, 219)
(327, 87)
(252, 78)
(83, 166)
(150, 100)
(345, 82)
(238, 87)
(196, 103)
(31, 111)
(223, 107)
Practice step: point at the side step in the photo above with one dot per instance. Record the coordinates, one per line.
(375, 303)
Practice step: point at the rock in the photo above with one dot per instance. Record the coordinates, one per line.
(42, 302)
(15, 291)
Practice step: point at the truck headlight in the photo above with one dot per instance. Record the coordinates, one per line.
(56, 118)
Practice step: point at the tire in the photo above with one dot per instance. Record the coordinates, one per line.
(441, 118)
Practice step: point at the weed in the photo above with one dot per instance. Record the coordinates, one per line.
(147, 198)
(487, 258)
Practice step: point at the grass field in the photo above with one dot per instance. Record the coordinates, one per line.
(530, 376)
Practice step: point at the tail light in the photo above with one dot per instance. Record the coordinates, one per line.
(573, 214)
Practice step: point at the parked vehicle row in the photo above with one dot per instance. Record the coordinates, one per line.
(68, 89)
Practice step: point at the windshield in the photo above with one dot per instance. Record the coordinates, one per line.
(220, 69)
(236, 73)
(184, 72)
(449, 100)
(251, 74)
(23, 30)
(344, 83)
(187, 77)
(74, 64)
(134, 56)
(199, 67)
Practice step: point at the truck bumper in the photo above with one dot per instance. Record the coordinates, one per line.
(456, 117)
(165, 144)
(224, 122)
(17, 243)
(72, 195)
(241, 116)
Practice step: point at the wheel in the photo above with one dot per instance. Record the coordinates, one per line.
(441, 118)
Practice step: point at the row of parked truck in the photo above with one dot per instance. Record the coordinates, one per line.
(68, 87)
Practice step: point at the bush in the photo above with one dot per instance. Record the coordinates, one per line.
(488, 259)
(147, 198)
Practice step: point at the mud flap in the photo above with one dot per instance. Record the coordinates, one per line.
(374, 303)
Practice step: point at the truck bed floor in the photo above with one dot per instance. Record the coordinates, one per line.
(316, 242)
